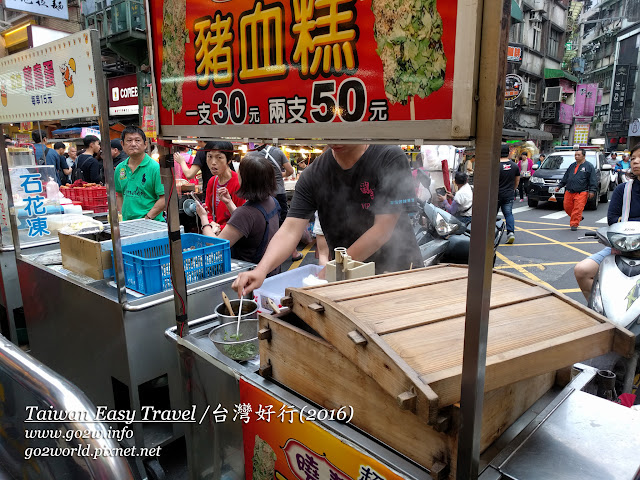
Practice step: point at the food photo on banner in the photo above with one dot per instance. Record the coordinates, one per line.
(304, 62)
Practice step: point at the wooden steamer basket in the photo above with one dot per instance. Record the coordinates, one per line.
(390, 346)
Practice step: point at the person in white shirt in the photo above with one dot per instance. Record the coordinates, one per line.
(462, 200)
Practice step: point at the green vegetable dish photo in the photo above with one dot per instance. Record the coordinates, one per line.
(174, 37)
(264, 460)
(409, 37)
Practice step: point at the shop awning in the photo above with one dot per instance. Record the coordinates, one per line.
(516, 12)
(511, 134)
(535, 134)
(556, 73)
(73, 130)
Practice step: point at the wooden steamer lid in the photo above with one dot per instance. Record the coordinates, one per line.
(406, 330)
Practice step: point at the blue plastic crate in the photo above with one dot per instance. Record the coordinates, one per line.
(146, 264)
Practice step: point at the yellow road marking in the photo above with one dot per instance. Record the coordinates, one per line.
(554, 224)
(523, 271)
(304, 252)
(570, 290)
(562, 227)
(538, 244)
(557, 242)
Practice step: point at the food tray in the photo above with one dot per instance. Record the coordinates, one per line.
(147, 267)
(274, 287)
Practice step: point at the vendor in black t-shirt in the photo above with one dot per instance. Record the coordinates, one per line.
(362, 194)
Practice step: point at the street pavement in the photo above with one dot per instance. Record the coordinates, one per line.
(546, 250)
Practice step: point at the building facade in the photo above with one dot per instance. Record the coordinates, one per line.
(539, 41)
(609, 50)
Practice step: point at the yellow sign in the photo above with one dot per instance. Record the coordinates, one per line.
(581, 134)
(282, 443)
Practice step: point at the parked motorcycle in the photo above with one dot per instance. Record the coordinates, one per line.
(442, 237)
(616, 289)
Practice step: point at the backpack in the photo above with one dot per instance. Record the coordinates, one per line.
(76, 172)
(43, 159)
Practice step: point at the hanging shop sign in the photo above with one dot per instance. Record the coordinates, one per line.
(43, 8)
(634, 128)
(514, 54)
(619, 94)
(284, 444)
(565, 114)
(123, 95)
(50, 82)
(514, 87)
(581, 134)
(303, 69)
(586, 99)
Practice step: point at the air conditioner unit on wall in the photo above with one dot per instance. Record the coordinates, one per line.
(535, 15)
(553, 94)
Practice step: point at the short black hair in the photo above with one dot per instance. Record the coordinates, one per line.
(116, 143)
(89, 139)
(38, 136)
(504, 151)
(542, 155)
(257, 179)
(461, 178)
(133, 130)
(58, 145)
(584, 152)
(224, 147)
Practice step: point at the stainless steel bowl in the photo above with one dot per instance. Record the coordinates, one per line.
(249, 310)
(242, 349)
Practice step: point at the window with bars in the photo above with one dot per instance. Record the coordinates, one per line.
(553, 43)
(536, 28)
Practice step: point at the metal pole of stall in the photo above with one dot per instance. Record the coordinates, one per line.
(10, 207)
(103, 122)
(491, 85)
(178, 279)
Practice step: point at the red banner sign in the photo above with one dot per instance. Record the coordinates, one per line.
(514, 54)
(303, 61)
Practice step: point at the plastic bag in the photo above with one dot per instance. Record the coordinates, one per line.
(73, 224)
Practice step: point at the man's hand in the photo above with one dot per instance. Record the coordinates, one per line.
(591, 195)
(441, 198)
(248, 281)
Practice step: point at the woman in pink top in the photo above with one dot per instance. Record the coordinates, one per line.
(188, 158)
(526, 170)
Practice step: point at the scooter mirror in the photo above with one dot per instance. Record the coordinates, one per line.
(423, 178)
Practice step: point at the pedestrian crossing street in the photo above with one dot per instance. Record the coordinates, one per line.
(550, 216)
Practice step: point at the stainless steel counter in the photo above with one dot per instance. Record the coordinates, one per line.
(10, 295)
(577, 436)
(209, 378)
(115, 353)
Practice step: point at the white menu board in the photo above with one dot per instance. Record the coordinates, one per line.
(50, 82)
